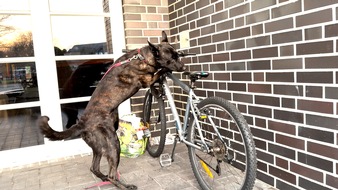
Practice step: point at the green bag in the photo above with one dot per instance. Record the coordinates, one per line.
(132, 136)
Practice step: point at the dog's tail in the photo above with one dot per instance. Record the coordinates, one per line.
(52, 135)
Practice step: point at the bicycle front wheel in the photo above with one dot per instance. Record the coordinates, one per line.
(154, 115)
(231, 161)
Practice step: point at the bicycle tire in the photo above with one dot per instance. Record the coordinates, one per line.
(235, 159)
(154, 115)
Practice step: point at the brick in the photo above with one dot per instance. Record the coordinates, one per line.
(321, 62)
(257, 29)
(207, 10)
(134, 9)
(314, 134)
(295, 63)
(236, 86)
(203, 21)
(287, 50)
(240, 55)
(314, 18)
(289, 116)
(233, 45)
(287, 9)
(322, 121)
(332, 181)
(240, 33)
(286, 37)
(258, 41)
(259, 65)
(240, 10)
(265, 156)
(219, 16)
(265, 52)
(280, 77)
(226, 25)
(315, 162)
(314, 91)
(282, 163)
(150, 2)
(313, 33)
(315, 77)
(279, 25)
(331, 92)
(258, 17)
(220, 37)
(256, 5)
(306, 184)
(266, 100)
(217, 67)
(282, 185)
(315, 106)
(290, 141)
(291, 178)
(288, 103)
(282, 127)
(316, 4)
(259, 88)
(314, 48)
(208, 30)
(323, 150)
(241, 77)
(235, 66)
(220, 57)
(261, 111)
(306, 172)
(242, 98)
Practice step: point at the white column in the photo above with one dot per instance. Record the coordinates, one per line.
(118, 36)
(45, 62)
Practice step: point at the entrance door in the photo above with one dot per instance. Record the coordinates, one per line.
(52, 55)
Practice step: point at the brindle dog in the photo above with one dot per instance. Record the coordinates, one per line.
(99, 121)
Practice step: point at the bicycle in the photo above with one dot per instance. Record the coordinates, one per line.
(220, 145)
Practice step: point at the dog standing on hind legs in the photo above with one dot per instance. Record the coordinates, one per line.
(97, 126)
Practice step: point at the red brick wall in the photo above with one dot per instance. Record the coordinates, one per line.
(277, 61)
(144, 20)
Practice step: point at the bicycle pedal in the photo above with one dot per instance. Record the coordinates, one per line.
(165, 160)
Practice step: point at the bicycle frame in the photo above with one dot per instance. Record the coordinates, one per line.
(191, 106)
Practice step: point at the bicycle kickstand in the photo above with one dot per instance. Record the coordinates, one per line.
(173, 152)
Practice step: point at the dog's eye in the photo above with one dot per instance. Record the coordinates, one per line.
(175, 56)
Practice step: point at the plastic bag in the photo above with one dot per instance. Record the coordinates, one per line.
(132, 133)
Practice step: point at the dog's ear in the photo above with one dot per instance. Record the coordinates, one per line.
(154, 49)
(164, 37)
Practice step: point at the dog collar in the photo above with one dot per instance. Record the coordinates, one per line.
(138, 56)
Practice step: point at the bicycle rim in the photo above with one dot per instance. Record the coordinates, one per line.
(154, 115)
(232, 162)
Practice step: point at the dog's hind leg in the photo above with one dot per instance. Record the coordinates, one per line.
(95, 168)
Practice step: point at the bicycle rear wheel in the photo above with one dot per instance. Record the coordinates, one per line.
(231, 164)
(154, 115)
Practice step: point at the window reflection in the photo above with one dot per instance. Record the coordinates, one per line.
(78, 79)
(15, 36)
(97, 6)
(81, 35)
(18, 128)
(18, 83)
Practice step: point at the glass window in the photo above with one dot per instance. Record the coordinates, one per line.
(81, 35)
(15, 36)
(88, 6)
(18, 128)
(18, 83)
(78, 78)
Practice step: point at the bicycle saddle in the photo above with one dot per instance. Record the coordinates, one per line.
(196, 75)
